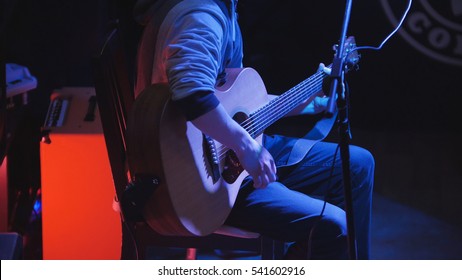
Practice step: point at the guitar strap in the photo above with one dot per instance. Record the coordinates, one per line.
(303, 145)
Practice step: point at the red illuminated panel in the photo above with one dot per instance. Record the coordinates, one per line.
(77, 191)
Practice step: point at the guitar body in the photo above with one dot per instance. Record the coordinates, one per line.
(192, 197)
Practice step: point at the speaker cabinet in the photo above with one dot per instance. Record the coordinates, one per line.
(79, 221)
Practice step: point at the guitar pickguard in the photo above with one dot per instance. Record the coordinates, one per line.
(232, 167)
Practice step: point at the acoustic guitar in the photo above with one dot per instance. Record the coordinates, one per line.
(197, 177)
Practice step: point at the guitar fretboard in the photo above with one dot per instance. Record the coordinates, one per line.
(280, 106)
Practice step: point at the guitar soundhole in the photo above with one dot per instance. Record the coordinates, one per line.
(240, 117)
(232, 167)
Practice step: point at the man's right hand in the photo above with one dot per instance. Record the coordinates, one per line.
(255, 159)
(259, 163)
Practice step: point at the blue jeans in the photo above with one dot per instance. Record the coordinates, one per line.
(290, 209)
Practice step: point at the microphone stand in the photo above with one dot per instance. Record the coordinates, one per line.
(337, 76)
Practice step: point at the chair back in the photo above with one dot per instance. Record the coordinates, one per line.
(114, 97)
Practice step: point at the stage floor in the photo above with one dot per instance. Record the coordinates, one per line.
(399, 232)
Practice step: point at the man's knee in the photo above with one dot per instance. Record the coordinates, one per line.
(331, 226)
(361, 158)
(362, 165)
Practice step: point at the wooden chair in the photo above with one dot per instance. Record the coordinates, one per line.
(115, 98)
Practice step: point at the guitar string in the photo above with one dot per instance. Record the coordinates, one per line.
(282, 107)
(255, 130)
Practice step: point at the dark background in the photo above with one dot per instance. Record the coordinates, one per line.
(404, 105)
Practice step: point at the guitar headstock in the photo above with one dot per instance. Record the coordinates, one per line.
(350, 55)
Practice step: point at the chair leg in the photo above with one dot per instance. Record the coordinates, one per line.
(271, 249)
(279, 249)
(129, 250)
(267, 248)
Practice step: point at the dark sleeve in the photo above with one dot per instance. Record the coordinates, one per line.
(197, 104)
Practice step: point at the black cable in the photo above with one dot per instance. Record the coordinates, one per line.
(310, 236)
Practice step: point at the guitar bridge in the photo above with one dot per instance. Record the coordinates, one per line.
(211, 156)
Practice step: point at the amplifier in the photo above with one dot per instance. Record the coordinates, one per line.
(78, 219)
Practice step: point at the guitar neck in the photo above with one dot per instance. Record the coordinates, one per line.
(280, 106)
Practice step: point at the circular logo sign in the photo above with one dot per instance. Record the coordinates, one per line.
(434, 29)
